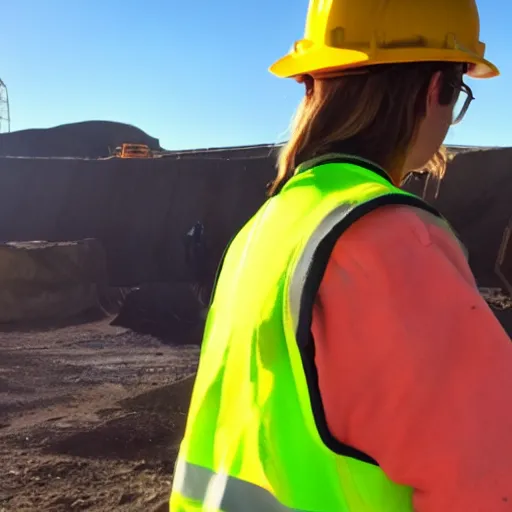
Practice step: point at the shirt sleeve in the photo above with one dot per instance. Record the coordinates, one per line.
(414, 369)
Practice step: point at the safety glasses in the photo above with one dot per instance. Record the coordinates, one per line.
(464, 99)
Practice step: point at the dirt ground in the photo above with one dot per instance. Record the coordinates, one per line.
(90, 418)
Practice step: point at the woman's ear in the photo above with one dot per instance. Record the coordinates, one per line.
(434, 91)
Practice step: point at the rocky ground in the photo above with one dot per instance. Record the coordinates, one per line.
(90, 418)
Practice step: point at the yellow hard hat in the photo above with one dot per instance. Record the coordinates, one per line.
(343, 34)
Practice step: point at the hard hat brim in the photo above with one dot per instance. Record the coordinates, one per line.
(327, 60)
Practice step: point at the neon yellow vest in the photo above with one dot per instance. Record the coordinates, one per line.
(256, 439)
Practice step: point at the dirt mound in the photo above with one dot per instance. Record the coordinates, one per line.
(475, 197)
(89, 139)
(50, 281)
(150, 428)
(171, 312)
(137, 436)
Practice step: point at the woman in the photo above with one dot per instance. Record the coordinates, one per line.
(349, 362)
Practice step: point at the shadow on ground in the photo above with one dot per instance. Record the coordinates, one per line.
(149, 427)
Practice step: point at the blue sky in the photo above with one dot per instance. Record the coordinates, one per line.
(193, 74)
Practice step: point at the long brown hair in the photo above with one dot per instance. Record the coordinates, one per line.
(372, 113)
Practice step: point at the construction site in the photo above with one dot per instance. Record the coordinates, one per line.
(109, 248)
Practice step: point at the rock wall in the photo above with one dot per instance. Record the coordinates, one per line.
(140, 210)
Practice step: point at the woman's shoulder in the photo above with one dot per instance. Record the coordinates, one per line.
(395, 223)
(395, 234)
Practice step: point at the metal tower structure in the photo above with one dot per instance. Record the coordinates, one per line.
(5, 115)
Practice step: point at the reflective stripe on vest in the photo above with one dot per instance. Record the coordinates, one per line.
(221, 492)
(255, 440)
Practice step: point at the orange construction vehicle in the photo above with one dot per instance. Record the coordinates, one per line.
(134, 151)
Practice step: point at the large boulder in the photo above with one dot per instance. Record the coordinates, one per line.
(50, 281)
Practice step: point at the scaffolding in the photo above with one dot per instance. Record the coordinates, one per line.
(5, 113)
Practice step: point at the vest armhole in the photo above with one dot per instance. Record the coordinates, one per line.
(314, 276)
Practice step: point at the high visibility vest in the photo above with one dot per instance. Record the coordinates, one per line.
(256, 438)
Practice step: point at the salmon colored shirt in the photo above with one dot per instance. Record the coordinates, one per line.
(414, 369)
